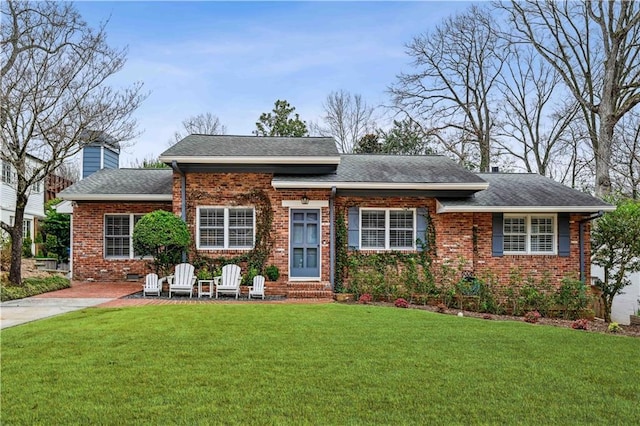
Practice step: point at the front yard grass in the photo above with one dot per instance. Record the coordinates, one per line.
(311, 364)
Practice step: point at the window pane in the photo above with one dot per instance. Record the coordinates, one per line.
(312, 258)
(211, 218)
(515, 243)
(117, 236)
(212, 228)
(515, 225)
(401, 219)
(542, 243)
(240, 228)
(372, 238)
(373, 219)
(400, 239)
(401, 229)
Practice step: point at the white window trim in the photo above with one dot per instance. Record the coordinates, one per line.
(528, 218)
(225, 229)
(131, 225)
(387, 229)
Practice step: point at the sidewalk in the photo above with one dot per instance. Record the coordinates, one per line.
(78, 296)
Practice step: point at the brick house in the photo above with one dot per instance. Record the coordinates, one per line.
(223, 185)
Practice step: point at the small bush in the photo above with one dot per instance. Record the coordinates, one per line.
(26, 247)
(365, 299)
(580, 324)
(32, 287)
(532, 317)
(272, 272)
(441, 308)
(614, 327)
(401, 303)
(487, 317)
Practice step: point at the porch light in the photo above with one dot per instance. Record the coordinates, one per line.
(305, 199)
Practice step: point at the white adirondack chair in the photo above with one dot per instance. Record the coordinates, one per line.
(182, 280)
(229, 281)
(257, 289)
(152, 285)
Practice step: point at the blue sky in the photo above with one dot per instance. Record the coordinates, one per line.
(234, 59)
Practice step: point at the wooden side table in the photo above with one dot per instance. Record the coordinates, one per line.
(201, 292)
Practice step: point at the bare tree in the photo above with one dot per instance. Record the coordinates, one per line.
(347, 118)
(54, 93)
(626, 155)
(534, 119)
(204, 124)
(456, 70)
(593, 45)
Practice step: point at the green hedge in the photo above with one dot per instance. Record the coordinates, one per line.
(32, 287)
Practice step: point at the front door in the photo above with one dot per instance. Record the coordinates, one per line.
(304, 255)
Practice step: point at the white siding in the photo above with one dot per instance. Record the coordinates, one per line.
(623, 304)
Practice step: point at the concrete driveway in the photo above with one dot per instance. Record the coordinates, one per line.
(78, 296)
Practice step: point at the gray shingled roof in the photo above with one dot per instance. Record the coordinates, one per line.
(251, 146)
(392, 169)
(123, 182)
(524, 190)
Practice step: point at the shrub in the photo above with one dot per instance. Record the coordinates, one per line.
(204, 273)
(56, 228)
(614, 327)
(532, 317)
(272, 272)
(32, 287)
(164, 236)
(487, 317)
(26, 247)
(572, 297)
(580, 324)
(401, 303)
(441, 308)
(365, 299)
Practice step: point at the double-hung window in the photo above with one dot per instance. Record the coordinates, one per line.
(118, 232)
(387, 229)
(6, 171)
(529, 234)
(225, 227)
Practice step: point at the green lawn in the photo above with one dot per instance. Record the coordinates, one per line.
(313, 364)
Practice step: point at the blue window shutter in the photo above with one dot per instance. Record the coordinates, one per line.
(421, 229)
(563, 235)
(498, 235)
(354, 228)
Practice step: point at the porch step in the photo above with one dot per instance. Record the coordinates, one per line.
(309, 290)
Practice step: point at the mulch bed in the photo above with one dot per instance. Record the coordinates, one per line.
(595, 326)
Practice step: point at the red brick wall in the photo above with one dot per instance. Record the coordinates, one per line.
(455, 242)
(88, 241)
(224, 189)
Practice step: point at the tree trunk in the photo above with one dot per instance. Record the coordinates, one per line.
(603, 155)
(607, 302)
(15, 269)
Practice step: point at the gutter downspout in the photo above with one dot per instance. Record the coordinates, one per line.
(183, 197)
(581, 241)
(332, 237)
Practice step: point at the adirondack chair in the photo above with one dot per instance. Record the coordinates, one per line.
(182, 280)
(257, 289)
(229, 281)
(151, 285)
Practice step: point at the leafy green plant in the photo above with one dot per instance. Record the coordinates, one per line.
(572, 297)
(365, 299)
(56, 228)
(614, 327)
(272, 272)
(164, 236)
(204, 273)
(32, 287)
(26, 247)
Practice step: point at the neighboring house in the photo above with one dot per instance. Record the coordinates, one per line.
(35, 204)
(493, 222)
(627, 303)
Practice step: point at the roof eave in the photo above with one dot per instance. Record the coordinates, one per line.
(379, 185)
(116, 197)
(522, 209)
(335, 160)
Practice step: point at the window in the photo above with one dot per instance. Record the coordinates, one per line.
(387, 229)
(527, 234)
(118, 230)
(26, 228)
(6, 171)
(225, 228)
